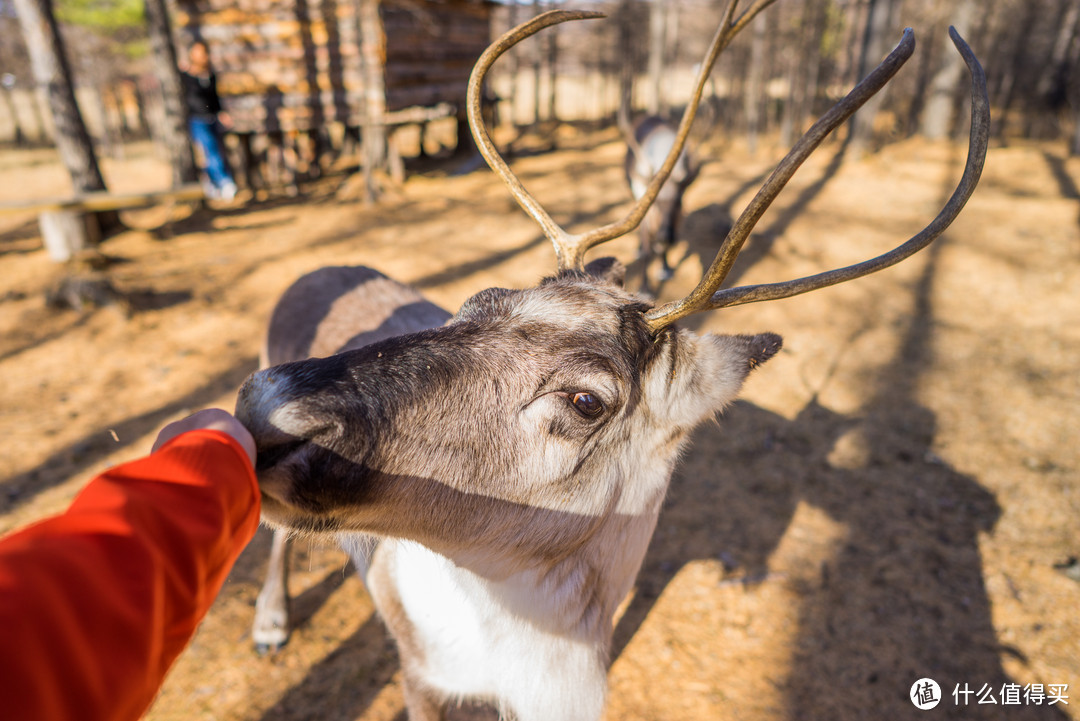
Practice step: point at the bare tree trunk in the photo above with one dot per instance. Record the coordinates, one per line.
(815, 29)
(1074, 146)
(941, 106)
(755, 82)
(803, 59)
(1057, 64)
(41, 126)
(552, 63)
(52, 72)
(19, 137)
(537, 71)
(875, 42)
(787, 121)
(657, 36)
(373, 63)
(513, 65)
(1072, 88)
(671, 42)
(850, 38)
(1018, 38)
(626, 61)
(174, 129)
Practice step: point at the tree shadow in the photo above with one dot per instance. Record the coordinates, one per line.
(352, 675)
(22, 238)
(464, 270)
(761, 242)
(1066, 184)
(903, 595)
(35, 340)
(471, 267)
(201, 220)
(143, 299)
(89, 450)
(77, 298)
(250, 568)
(705, 228)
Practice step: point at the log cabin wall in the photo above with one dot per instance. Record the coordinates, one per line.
(431, 48)
(294, 66)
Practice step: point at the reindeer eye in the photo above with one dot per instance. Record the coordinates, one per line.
(587, 403)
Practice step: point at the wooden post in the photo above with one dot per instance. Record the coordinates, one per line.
(68, 232)
(373, 65)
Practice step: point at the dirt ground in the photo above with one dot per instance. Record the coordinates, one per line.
(895, 496)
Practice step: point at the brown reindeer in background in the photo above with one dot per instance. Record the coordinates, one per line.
(497, 477)
(649, 142)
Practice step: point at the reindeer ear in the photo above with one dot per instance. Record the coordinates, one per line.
(755, 349)
(607, 270)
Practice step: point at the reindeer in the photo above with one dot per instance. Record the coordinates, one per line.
(649, 141)
(497, 477)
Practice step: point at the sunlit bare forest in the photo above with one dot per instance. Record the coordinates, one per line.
(794, 59)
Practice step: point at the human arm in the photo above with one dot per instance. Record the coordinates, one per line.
(97, 603)
(211, 419)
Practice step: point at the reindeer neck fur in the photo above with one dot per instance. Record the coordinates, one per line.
(535, 644)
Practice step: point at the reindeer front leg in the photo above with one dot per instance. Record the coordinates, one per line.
(270, 631)
(421, 703)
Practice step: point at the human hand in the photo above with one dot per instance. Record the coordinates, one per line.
(212, 419)
(225, 119)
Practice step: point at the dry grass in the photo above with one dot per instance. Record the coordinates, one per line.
(895, 497)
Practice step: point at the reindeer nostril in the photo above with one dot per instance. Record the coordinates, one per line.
(290, 406)
(280, 423)
(268, 456)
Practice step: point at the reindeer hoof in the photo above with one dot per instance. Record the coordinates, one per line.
(269, 637)
(267, 649)
(270, 641)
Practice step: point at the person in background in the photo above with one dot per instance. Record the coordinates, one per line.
(97, 602)
(206, 120)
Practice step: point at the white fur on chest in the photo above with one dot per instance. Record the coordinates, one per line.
(495, 640)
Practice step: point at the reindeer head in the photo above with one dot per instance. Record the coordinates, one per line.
(555, 399)
(566, 401)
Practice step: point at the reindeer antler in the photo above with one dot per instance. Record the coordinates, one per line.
(706, 296)
(569, 248)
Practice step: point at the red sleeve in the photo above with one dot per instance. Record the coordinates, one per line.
(96, 603)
